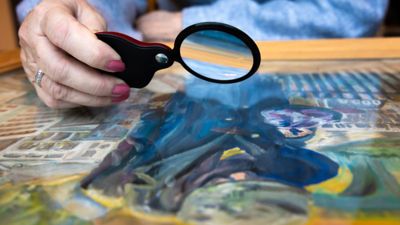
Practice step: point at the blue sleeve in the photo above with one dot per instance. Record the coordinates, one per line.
(119, 14)
(294, 19)
(25, 7)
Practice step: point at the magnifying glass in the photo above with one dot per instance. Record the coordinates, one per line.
(211, 51)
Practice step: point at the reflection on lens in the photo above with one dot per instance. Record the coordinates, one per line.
(217, 55)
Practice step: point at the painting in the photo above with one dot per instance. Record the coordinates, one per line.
(319, 147)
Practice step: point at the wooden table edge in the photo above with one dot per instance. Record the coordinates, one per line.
(10, 60)
(331, 49)
(324, 49)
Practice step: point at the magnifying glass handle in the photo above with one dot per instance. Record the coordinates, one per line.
(141, 59)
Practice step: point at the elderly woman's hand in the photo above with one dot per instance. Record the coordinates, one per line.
(57, 37)
(160, 25)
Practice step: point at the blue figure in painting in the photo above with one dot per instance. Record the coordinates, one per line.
(212, 134)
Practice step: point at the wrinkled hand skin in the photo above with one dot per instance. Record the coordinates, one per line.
(58, 38)
(160, 25)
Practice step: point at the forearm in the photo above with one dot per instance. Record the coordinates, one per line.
(302, 19)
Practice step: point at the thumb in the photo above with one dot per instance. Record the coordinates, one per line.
(90, 17)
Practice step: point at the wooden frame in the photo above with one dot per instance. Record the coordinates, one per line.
(8, 37)
(333, 49)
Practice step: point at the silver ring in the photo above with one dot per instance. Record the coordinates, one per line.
(38, 77)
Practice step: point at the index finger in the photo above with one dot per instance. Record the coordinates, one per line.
(64, 31)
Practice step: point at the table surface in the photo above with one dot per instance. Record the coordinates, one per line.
(303, 141)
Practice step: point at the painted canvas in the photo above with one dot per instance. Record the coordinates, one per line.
(283, 147)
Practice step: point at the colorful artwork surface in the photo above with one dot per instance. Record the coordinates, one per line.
(279, 148)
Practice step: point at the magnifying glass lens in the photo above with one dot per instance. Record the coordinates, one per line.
(217, 55)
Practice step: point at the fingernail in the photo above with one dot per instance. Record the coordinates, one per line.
(121, 89)
(120, 98)
(116, 66)
(120, 93)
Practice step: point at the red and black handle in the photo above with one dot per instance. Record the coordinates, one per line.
(141, 59)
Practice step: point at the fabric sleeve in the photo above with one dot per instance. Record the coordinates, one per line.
(119, 14)
(25, 7)
(288, 19)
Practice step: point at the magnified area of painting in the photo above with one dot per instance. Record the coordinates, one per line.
(216, 55)
(313, 148)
